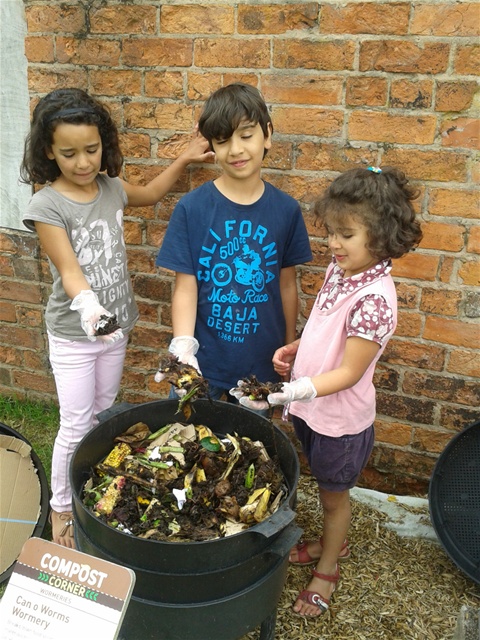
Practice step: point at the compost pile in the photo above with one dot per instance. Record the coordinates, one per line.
(183, 483)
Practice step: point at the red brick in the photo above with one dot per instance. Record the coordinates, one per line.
(152, 115)
(87, 51)
(39, 49)
(431, 440)
(441, 301)
(20, 291)
(302, 89)
(469, 274)
(467, 59)
(157, 52)
(116, 82)
(123, 18)
(402, 56)
(455, 96)
(444, 237)
(393, 433)
(443, 388)
(320, 156)
(443, 19)
(7, 312)
(464, 362)
(462, 203)
(44, 80)
(164, 84)
(60, 18)
(201, 85)
(414, 354)
(277, 18)
(366, 91)
(280, 156)
(385, 127)
(411, 94)
(33, 381)
(307, 121)
(419, 164)
(409, 324)
(446, 269)
(473, 242)
(232, 52)
(197, 19)
(135, 145)
(448, 331)
(414, 265)
(307, 54)
(461, 132)
(407, 295)
(363, 17)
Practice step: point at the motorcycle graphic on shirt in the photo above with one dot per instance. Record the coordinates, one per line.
(237, 265)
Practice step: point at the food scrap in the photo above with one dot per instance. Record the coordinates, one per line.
(187, 379)
(256, 390)
(184, 483)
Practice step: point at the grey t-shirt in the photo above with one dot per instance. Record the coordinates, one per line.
(95, 230)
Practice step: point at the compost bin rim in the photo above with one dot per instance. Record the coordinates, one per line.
(447, 540)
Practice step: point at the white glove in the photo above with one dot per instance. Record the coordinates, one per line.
(256, 405)
(90, 310)
(185, 348)
(301, 390)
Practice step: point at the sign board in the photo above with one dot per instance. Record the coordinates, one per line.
(55, 592)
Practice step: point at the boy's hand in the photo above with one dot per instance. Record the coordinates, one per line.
(301, 390)
(185, 348)
(90, 310)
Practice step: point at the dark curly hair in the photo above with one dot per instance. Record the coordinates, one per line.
(73, 106)
(227, 107)
(382, 201)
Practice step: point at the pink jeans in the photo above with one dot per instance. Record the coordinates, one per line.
(87, 376)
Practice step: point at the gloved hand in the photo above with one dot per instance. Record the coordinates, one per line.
(301, 390)
(184, 348)
(90, 310)
(244, 400)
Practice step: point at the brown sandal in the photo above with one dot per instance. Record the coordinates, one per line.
(305, 559)
(319, 601)
(62, 528)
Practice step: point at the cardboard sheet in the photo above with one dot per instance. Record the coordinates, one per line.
(20, 498)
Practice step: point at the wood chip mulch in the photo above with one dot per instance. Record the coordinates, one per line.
(392, 588)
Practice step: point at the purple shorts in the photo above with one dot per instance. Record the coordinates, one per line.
(336, 463)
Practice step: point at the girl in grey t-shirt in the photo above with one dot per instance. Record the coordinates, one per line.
(73, 149)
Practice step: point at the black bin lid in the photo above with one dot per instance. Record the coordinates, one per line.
(454, 500)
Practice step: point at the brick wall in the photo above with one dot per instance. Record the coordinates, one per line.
(349, 84)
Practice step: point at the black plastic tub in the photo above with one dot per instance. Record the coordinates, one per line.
(454, 500)
(212, 590)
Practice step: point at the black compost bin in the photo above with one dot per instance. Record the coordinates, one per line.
(212, 590)
(454, 500)
(44, 493)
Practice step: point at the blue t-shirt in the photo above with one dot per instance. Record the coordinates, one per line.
(236, 253)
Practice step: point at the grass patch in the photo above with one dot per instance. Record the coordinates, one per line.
(36, 421)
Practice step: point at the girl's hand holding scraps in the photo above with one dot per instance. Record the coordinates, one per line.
(301, 390)
(90, 310)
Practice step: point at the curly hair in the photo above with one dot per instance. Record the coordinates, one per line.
(227, 107)
(72, 106)
(382, 201)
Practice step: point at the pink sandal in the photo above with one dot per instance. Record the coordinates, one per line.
(311, 597)
(305, 559)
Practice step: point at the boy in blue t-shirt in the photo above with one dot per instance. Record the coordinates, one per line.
(234, 243)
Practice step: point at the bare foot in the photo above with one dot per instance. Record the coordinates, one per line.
(62, 528)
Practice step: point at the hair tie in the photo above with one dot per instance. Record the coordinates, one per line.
(374, 169)
(75, 111)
